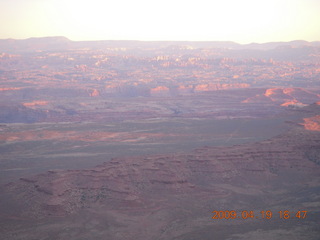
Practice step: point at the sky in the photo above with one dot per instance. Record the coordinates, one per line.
(242, 21)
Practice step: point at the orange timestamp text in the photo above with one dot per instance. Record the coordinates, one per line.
(258, 214)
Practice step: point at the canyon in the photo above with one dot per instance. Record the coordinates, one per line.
(128, 139)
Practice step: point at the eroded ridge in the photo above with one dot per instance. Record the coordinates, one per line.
(143, 182)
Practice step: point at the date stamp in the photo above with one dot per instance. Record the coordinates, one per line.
(258, 214)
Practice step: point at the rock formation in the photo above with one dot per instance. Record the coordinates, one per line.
(312, 124)
(298, 97)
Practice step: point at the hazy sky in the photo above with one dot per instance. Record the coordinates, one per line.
(242, 21)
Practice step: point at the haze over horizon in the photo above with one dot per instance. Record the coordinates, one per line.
(160, 120)
(243, 22)
(181, 41)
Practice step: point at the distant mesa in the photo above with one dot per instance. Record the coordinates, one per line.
(275, 93)
(35, 44)
(47, 39)
(298, 97)
(63, 43)
(273, 45)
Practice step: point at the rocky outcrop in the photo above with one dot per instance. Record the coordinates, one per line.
(35, 103)
(215, 87)
(296, 97)
(160, 91)
(312, 123)
(9, 89)
(94, 93)
(275, 93)
(293, 103)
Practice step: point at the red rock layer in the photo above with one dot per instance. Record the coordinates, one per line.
(312, 124)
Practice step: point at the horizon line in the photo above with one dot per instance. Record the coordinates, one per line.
(138, 40)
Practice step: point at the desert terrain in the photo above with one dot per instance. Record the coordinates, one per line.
(145, 140)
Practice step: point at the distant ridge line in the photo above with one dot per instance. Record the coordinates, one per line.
(52, 43)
